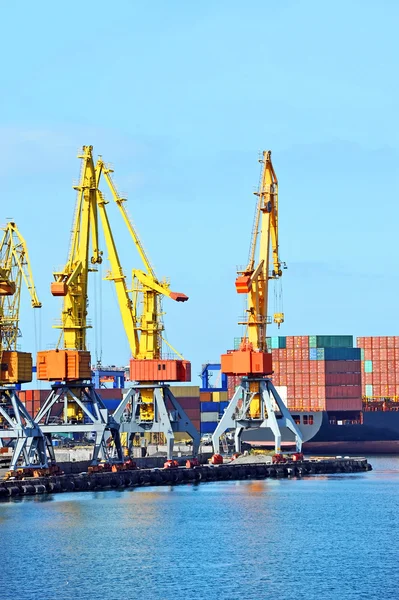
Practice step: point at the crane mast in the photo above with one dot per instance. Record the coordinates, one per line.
(16, 367)
(141, 312)
(256, 402)
(78, 406)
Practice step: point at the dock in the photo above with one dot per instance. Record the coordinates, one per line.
(81, 482)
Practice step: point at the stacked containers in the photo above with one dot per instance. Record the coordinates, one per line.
(188, 396)
(212, 407)
(315, 377)
(380, 366)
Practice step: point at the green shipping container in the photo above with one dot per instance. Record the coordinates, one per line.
(334, 341)
(313, 341)
(362, 354)
(368, 366)
(369, 390)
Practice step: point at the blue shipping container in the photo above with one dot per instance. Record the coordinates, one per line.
(312, 353)
(222, 406)
(208, 427)
(209, 406)
(341, 353)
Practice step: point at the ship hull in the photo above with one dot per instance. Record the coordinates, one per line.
(374, 432)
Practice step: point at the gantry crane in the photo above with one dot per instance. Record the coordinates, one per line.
(256, 402)
(73, 404)
(148, 407)
(16, 367)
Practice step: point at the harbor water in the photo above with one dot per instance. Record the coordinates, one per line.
(322, 537)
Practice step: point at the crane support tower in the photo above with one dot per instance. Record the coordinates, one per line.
(256, 402)
(149, 406)
(73, 404)
(16, 367)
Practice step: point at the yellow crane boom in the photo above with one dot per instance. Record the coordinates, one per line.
(14, 269)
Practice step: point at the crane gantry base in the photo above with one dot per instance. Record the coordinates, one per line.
(165, 421)
(90, 415)
(17, 424)
(273, 415)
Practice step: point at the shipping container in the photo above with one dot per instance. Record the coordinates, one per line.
(209, 407)
(368, 366)
(369, 390)
(343, 404)
(185, 390)
(338, 353)
(209, 417)
(334, 341)
(189, 402)
(206, 396)
(343, 379)
(208, 427)
(343, 366)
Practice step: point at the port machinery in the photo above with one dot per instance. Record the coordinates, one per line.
(73, 405)
(149, 406)
(256, 402)
(16, 424)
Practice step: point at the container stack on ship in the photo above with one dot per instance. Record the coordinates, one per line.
(344, 399)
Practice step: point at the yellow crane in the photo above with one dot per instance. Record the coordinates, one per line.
(16, 367)
(256, 402)
(141, 312)
(73, 405)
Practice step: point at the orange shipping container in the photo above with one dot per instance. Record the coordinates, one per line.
(290, 354)
(390, 342)
(289, 342)
(392, 390)
(290, 367)
(297, 353)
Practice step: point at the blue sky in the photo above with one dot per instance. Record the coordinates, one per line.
(181, 97)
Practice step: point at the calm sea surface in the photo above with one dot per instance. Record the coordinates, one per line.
(333, 537)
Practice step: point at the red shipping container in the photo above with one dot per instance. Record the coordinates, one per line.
(391, 354)
(313, 379)
(390, 366)
(298, 378)
(290, 366)
(396, 341)
(29, 395)
(321, 391)
(376, 379)
(283, 379)
(276, 367)
(384, 342)
(321, 379)
(368, 354)
(368, 378)
(360, 342)
(320, 366)
(306, 392)
(305, 366)
(391, 390)
(375, 342)
(344, 404)
(313, 366)
(189, 402)
(289, 341)
(343, 379)
(367, 342)
(342, 366)
(297, 353)
(390, 342)
(313, 391)
(390, 378)
(283, 354)
(290, 391)
(383, 354)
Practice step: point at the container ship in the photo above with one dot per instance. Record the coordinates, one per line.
(344, 399)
